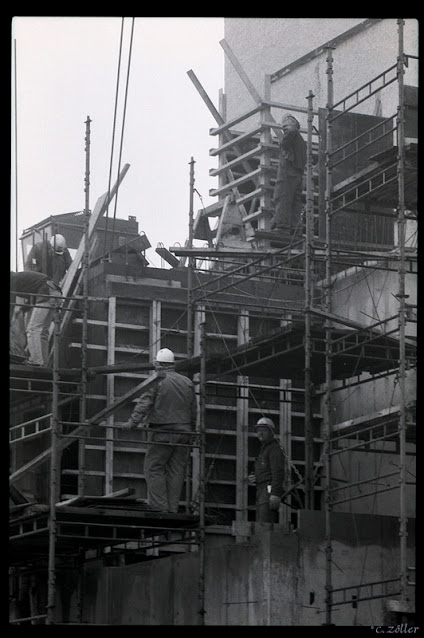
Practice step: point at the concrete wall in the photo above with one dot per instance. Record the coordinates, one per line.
(273, 578)
(368, 296)
(265, 45)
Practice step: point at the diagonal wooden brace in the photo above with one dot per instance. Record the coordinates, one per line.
(82, 430)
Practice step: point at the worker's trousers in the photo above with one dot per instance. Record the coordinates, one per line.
(164, 465)
(263, 513)
(17, 334)
(288, 202)
(38, 329)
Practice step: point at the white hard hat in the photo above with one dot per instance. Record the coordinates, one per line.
(165, 356)
(58, 243)
(266, 422)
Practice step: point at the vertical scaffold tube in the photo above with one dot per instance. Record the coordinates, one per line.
(328, 372)
(84, 340)
(202, 404)
(190, 308)
(401, 295)
(190, 265)
(309, 443)
(54, 474)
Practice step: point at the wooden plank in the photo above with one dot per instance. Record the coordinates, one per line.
(83, 429)
(240, 71)
(167, 256)
(246, 80)
(289, 107)
(236, 182)
(218, 117)
(367, 418)
(217, 252)
(205, 97)
(221, 219)
(110, 394)
(70, 501)
(17, 497)
(242, 419)
(230, 123)
(246, 198)
(234, 141)
(265, 161)
(258, 213)
(155, 327)
(126, 491)
(214, 172)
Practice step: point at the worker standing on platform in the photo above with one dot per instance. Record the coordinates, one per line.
(30, 286)
(52, 258)
(269, 473)
(170, 410)
(287, 219)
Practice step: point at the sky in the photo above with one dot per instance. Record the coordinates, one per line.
(65, 70)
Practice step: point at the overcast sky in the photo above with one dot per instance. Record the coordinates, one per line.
(66, 70)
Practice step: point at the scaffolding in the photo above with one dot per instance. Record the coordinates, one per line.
(386, 184)
(59, 536)
(332, 353)
(387, 190)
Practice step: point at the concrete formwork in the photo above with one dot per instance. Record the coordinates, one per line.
(275, 577)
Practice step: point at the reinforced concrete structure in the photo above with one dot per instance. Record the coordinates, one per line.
(320, 335)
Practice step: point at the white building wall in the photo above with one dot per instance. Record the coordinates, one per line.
(367, 296)
(265, 45)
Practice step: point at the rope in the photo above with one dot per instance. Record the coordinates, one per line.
(123, 124)
(123, 119)
(113, 131)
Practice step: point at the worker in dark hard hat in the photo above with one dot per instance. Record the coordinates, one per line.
(287, 199)
(269, 473)
(170, 410)
(51, 258)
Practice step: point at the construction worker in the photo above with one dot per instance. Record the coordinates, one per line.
(170, 411)
(30, 286)
(287, 219)
(269, 473)
(52, 258)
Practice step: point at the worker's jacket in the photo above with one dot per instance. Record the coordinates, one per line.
(292, 153)
(269, 467)
(172, 401)
(49, 262)
(28, 284)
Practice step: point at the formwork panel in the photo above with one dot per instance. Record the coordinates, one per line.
(132, 313)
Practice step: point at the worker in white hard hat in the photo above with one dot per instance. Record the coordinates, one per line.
(269, 473)
(169, 410)
(287, 197)
(50, 257)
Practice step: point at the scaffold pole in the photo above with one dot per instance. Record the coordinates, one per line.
(202, 407)
(54, 474)
(84, 340)
(402, 316)
(328, 371)
(309, 443)
(190, 264)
